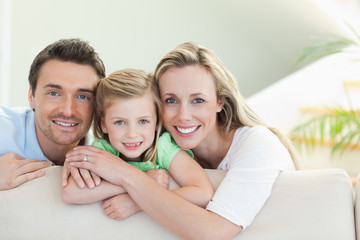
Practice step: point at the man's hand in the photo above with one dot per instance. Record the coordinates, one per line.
(15, 170)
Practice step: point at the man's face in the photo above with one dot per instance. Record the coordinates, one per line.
(63, 102)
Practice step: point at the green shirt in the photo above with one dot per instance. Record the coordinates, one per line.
(165, 152)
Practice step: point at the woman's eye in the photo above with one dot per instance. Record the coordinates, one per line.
(198, 100)
(120, 122)
(143, 121)
(170, 100)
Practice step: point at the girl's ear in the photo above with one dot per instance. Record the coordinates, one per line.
(220, 104)
(103, 126)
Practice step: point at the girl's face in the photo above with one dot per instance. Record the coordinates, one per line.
(130, 124)
(189, 104)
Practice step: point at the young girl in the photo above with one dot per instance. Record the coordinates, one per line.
(128, 126)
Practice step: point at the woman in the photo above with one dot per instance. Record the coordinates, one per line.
(204, 111)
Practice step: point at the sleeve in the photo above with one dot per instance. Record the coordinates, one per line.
(167, 149)
(254, 164)
(105, 145)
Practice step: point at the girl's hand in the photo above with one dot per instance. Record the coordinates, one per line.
(160, 176)
(120, 207)
(98, 161)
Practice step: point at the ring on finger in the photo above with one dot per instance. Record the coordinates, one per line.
(85, 158)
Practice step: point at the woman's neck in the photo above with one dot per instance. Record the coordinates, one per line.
(212, 150)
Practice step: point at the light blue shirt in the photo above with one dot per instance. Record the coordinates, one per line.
(17, 133)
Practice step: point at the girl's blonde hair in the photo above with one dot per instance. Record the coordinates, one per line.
(127, 83)
(236, 112)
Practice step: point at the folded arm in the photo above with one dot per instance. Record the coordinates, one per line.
(15, 170)
(195, 184)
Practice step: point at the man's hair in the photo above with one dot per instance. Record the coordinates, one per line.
(67, 50)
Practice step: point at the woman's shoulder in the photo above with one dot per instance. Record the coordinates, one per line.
(258, 131)
(257, 147)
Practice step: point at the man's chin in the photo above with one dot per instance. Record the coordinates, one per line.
(67, 140)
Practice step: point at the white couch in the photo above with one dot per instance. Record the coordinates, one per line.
(308, 204)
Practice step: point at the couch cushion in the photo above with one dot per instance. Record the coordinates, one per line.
(313, 204)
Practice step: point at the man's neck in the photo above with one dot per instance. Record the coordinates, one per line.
(56, 153)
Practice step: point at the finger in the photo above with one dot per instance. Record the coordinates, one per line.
(23, 162)
(108, 210)
(77, 177)
(112, 215)
(106, 203)
(32, 167)
(85, 150)
(86, 176)
(28, 176)
(65, 174)
(87, 165)
(96, 178)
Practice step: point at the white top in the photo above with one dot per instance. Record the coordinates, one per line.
(254, 160)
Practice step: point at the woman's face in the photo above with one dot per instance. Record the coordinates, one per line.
(189, 104)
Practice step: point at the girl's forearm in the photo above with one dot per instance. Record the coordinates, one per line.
(75, 195)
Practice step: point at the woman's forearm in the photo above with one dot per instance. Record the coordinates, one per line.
(175, 213)
(195, 195)
(73, 194)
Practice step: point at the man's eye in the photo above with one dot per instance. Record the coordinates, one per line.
(198, 100)
(84, 97)
(120, 122)
(53, 93)
(170, 100)
(143, 121)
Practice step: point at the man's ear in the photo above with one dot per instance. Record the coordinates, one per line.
(220, 104)
(31, 99)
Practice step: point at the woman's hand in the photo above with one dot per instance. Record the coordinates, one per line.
(100, 162)
(80, 176)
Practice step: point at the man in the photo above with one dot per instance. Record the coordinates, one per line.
(62, 79)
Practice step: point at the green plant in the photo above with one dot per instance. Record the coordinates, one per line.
(337, 126)
(331, 45)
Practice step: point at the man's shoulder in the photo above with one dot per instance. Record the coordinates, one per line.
(14, 112)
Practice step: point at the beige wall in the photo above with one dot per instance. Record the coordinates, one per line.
(258, 40)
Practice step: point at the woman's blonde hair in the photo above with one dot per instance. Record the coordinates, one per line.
(236, 112)
(126, 83)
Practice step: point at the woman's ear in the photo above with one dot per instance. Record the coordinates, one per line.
(220, 104)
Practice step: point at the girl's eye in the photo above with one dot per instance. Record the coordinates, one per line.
(170, 100)
(198, 100)
(143, 121)
(120, 122)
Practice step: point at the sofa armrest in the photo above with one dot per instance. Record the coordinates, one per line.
(357, 207)
(313, 204)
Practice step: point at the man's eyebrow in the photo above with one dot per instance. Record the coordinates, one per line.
(78, 90)
(86, 90)
(52, 86)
